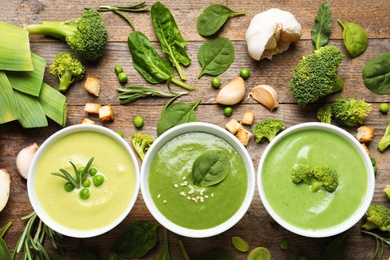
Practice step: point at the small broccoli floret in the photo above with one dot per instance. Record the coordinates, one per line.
(268, 128)
(141, 143)
(350, 112)
(85, 35)
(384, 142)
(316, 75)
(324, 114)
(68, 69)
(302, 173)
(319, 177)
(377, 217)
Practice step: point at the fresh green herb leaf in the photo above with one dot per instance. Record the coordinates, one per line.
(380, 241)
(334, 249)
(164, 255)
(322, 27)
(183, 250)
(213, 18)
(4, 251)
(210, 168)
(376, 74)
(355, 38)
(215, 56)
(133, 93)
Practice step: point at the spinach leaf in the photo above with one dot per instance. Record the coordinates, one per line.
(376, 74)
(137, 239)
(149, 63)
(171, 40)
(164, 255)
(215, 56)
(323, 22)
(176, 114)
(213, 18)
(355, 38)
(4, 251)
(334, 249)
(210, 168)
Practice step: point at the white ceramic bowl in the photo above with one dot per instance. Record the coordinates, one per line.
(189, 128)
(331, 230)
(91, 146)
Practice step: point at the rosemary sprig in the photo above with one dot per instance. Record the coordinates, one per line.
(133, 93)
(381, 240)
(77, 181)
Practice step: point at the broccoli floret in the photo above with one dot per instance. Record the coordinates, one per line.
(68, 69)
(350, 112)
(387, 191)
(141, 143)
(85, 35)
(316, 75)
(319, 177)
(268, 128)
(377, 217)
(384, 142)
(324, 114)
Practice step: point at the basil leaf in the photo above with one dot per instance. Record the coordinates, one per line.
(215, 56)
(323, 22)
(176, 114)
(355, 38)
(4, 252)
(376, 74)
(210, 168)
(137, 239)
(334, 249)
(167, 32)
(213, 18)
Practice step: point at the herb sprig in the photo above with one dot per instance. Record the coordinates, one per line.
(80, 176)
(380, 240)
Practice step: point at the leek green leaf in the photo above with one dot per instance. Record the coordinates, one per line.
(54, 104)
(31, 112)
(9, 109)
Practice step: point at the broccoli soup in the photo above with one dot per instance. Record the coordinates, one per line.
(108, 187)
(185, 196)
(299, 204)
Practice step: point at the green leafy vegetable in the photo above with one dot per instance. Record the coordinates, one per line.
(355, 38)
(176, 114)
(210, 168)
(133, 93)
(4, 251)
(322, 27)
(334, 249)
(215, 56)
(171, 40)
(137, 239)
(212, 19)
(376, 74)
(164, 255)
(149, 63)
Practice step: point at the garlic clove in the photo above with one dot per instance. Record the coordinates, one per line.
(265, 95)
(232, 93)
(24, 158)
(5, 185)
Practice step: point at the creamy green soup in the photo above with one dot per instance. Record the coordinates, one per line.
(179, 199)
(297, 204)
(106, 202)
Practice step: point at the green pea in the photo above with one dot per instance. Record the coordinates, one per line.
(122, 77)
(81, 169)
(384, 108)
(84, 193)
(215, 82)
(138, 121)
(118, 69)
(284, 244)
(69, 186)
(244, 73)
(86, 183)
(228, 111)
(373, 161)
(120, 134)
(92, 171)
(98, 180)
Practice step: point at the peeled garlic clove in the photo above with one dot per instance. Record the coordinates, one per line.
(5, 185)
(232, 93)
(265, 95)
(24, 158)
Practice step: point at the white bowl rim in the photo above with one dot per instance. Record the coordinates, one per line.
(331, 231)
(36, 205)
(197, 127)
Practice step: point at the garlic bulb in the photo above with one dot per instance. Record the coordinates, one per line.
(232, 93)
(24, 158)
(271, 32)
(5, 184)
(265, 95)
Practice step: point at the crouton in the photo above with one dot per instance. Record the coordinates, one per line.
(92, 85)
(243, 136)
(87, 121)
(233, 126)
(92, 108)
(247, 118)
(365, 134)
(366, 148)
(106, 114)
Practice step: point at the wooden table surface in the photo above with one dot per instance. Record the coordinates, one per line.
(256, 227)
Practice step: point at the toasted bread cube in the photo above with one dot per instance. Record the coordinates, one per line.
(233, 126)
(92, 85)
(365, 134)
(243, 136)
(92, 108)
(248, 117)
(106, 114)
(87, 121)
(366, 148)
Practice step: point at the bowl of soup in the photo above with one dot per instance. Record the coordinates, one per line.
(105, 185)
(315, 179)
(197, 180)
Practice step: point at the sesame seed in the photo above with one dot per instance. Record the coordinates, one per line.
(182, 193)
(165, 201)
(176, 185)
(158, 196)
(206, 196)
(184, 177)
(191, 192)
(188, 197)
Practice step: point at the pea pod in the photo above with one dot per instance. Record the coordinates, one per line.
(376, 74)
(355, 38)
